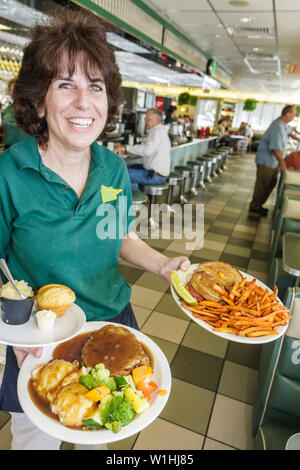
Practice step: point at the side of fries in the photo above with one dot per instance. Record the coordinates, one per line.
(247, 310)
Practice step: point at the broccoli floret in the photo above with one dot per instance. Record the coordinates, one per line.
(120, 410)
(98, 375)
(115, 426)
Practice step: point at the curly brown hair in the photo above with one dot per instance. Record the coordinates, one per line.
(78, 35)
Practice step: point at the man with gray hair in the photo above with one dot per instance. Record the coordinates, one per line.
(156, 153)
(270, 158)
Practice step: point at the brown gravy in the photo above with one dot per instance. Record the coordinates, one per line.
(69, 351)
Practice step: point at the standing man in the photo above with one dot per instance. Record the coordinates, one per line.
(156, 152)
(270, 157)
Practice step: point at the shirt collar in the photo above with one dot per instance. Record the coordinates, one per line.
(27, 155)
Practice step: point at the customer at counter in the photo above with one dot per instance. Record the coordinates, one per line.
(67, 95)
(156, 153)
(270, 158)
(171, 115)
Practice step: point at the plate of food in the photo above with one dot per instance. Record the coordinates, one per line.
(229, 303)
(44, 319)
(105, 384)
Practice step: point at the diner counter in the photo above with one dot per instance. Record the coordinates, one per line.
(182, 153)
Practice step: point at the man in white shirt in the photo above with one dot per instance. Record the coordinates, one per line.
(156, 153)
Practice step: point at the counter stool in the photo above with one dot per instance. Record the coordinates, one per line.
(214, 158)
(138, 199)
(154, 190)
(174, 179)
(219, 156)
(195, 166)
(208, 167)
(185, 186)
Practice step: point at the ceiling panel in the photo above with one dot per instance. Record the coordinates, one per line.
(255, 5)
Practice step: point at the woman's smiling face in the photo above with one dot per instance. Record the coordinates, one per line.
(76, 109)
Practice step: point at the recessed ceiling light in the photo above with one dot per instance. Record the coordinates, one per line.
(246, 19)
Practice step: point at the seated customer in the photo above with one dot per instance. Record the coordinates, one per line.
(156, 153)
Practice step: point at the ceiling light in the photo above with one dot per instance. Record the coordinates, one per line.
(246, 19)
(239, 3)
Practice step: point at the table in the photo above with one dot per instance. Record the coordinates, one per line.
(291, 254)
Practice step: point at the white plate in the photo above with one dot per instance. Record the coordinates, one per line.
(29, 335)
(186, 277)
(161, 376)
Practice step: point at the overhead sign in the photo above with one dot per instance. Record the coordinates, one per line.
(293, 68)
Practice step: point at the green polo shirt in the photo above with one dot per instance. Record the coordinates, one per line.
(48, 235)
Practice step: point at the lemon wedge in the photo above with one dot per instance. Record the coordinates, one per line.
(181, 290)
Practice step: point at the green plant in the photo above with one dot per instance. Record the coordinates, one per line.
(297, 111)
(183, 98)
(250, 104)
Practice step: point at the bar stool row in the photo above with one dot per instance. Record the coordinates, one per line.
(187, 179)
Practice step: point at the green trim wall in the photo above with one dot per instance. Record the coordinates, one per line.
(89, 4)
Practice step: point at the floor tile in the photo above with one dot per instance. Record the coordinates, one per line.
(5, 437)
(240, 242)
(152, 281)
(202, 340)
(145, 297)
(189, 363)
(238, 382)
(214, 245)
(238, 261)
(230, 423)
(168, 348)
(245, 354)
(244, 235)
(216, 237)
(189, 415)
(162, 435)
(123, 444)
(165, 327)
(168, 305)
(130, 274)
(237, 250)
(220, 230)
(205, 253)
(141, 314)
(211, 444)
(257, 265)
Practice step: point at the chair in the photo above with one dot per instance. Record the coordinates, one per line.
(289, 180)
(287, 221)
(187, 174)
(276, 410)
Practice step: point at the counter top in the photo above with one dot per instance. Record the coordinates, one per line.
(195, 141)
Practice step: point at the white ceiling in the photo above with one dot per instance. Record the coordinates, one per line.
(213, 25)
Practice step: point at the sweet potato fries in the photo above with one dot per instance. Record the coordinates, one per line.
(246, 310)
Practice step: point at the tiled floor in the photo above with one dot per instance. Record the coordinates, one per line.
(214, 380)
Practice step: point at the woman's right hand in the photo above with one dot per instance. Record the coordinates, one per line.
(22, 353)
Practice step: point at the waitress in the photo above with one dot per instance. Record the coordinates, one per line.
(55, 184)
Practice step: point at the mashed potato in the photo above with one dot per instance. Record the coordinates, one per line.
(9, 292)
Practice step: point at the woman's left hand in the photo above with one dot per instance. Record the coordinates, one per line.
(172, 264)
(21, 353)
